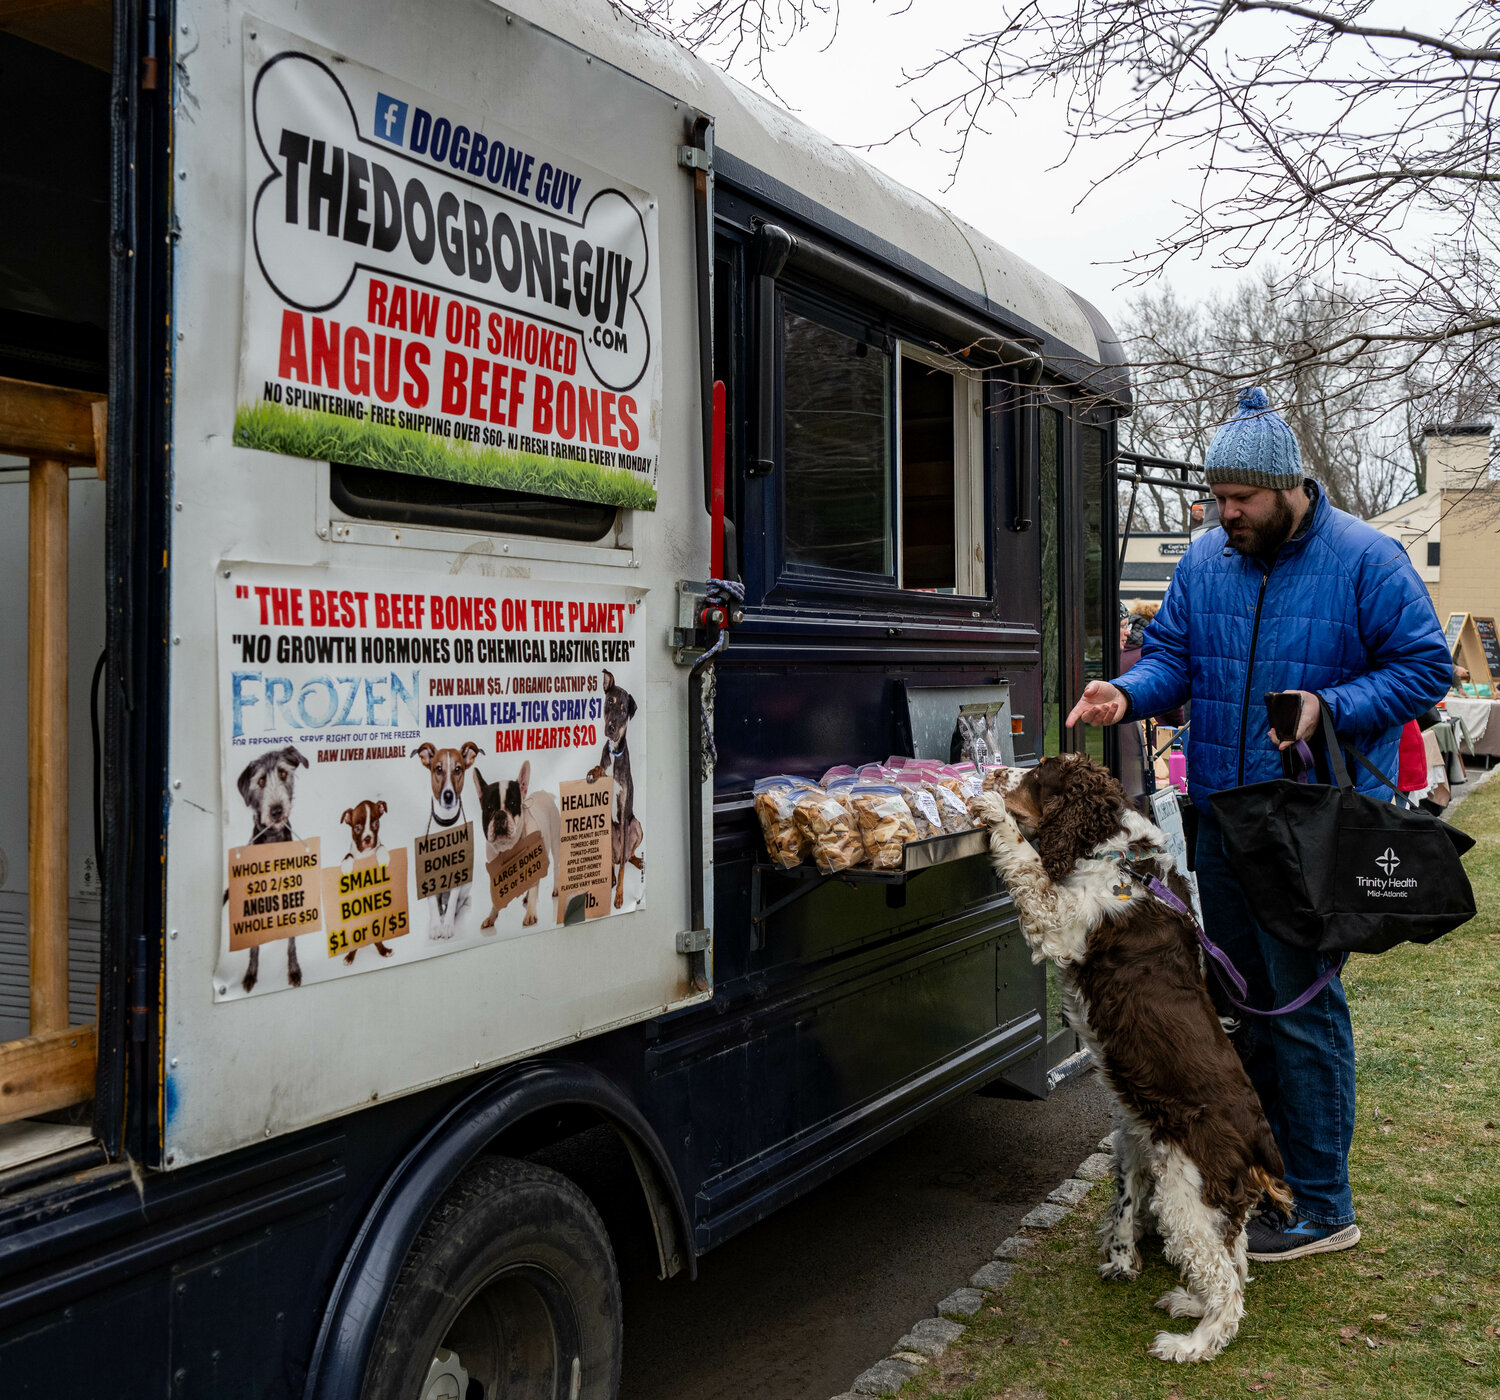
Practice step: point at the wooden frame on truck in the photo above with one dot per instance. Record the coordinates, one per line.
(53, 1066)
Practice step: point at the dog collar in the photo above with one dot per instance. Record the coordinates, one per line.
(612, 751)
(452, 821)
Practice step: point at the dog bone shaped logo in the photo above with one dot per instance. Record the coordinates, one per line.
(336, 201)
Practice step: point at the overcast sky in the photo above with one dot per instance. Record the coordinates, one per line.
(1010, 184)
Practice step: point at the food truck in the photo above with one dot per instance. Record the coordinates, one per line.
(454, 452)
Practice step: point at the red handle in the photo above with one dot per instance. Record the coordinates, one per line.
(716, 493)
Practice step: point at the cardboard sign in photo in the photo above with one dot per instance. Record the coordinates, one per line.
(366, 902)
(273, 892)
(587, 846)
(517, 870)
(444, 860)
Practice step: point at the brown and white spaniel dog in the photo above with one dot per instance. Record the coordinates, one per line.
(1192, 1145)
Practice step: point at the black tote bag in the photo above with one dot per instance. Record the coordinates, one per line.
(1332, 870)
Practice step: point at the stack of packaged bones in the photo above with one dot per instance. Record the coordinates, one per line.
(864, 816)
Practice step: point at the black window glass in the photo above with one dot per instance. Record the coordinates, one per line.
(928, 549)
(837, 449)
(1434, 554)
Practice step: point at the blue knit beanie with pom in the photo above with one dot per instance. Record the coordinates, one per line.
(1254, 448)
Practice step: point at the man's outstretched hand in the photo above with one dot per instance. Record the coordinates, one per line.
(1100, 703)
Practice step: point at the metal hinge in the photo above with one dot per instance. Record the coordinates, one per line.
(692, 158)
(695, 940)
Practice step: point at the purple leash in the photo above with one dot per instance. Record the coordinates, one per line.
(1227, 973)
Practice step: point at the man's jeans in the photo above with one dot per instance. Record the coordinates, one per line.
(1302, 1065)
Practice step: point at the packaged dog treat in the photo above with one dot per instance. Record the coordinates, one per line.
(839, 770)
(885, 823)
(827, 822)
(874, 773)
(924, 812)
(775, 805)
(953, 809)
(970, 779)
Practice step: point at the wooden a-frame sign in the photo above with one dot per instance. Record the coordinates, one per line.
(1468, 647)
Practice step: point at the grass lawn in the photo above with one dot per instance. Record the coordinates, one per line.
(1413, 1311)
(326, 437)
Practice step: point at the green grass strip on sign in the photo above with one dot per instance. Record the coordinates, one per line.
(326, 437)
(1413, 1311)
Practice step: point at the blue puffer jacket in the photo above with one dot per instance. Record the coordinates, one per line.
(1340, 613)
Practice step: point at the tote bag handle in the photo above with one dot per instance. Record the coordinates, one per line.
(1336, 760)
(1299, 764)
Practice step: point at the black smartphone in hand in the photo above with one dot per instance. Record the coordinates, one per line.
(1284, 711)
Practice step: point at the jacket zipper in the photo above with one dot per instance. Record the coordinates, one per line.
(1250, 668)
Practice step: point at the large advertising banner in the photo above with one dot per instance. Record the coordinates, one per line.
(429, 291)
(413, 768)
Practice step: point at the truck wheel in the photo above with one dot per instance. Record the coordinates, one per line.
(509, 1293)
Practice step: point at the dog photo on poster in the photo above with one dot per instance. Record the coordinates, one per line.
(409, 772)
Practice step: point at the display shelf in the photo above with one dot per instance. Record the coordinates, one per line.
(916, 856)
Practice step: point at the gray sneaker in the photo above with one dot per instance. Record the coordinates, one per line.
(1273, 1235)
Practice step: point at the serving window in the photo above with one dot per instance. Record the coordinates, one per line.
(882, 459)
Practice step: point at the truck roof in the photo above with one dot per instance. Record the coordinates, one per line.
(762, 147)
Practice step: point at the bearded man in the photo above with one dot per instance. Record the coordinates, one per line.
(1290, 595)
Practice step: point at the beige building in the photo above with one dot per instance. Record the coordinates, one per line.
(1452, 529)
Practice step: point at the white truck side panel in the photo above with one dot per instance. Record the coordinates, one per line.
(240, 1071)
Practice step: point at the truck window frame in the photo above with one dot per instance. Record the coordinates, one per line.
(773, 580)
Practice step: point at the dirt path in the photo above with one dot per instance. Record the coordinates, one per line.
(798, 1306)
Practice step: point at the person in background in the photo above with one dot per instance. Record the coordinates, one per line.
(1411, 774)
(1285, 594)
(1133, 624)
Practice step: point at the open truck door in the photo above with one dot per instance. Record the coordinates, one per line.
(428, 790)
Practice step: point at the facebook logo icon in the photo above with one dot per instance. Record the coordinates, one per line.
(390, 119)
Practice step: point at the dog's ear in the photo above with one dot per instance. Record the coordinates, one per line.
(348, 818)
(426, 753)
(294, 756)
(1082, 808)
(245, 779)
(525, 778)
(468, 753)
(630, 709)
(484, 787)
(609, 680)
(381, 809)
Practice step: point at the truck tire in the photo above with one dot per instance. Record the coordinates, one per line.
(509, 1293)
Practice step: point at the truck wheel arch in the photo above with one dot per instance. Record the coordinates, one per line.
(373, 1261)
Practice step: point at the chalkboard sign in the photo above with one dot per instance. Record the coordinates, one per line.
(1485, 626)
(1474, 646)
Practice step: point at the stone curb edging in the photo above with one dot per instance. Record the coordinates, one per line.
(931, 1337)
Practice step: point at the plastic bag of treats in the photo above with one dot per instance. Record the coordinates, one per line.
(776, 805)
(953, 810)
(839, 771)
(970, 779)
(924, 812)
(827, 822)
(885, 823)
